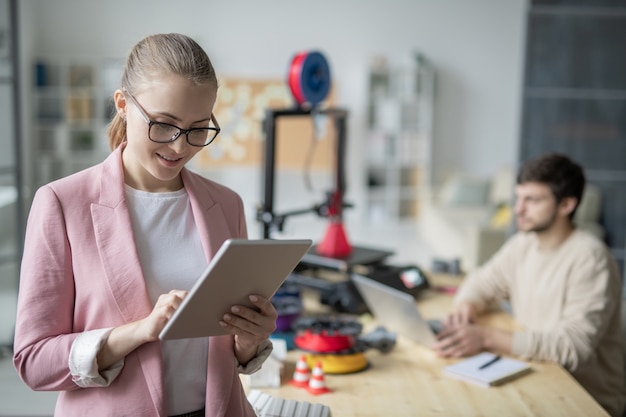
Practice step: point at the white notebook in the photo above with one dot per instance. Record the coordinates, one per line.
(495, 370)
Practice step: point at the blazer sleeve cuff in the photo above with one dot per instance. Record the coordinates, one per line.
(83, 362)
(262, 352)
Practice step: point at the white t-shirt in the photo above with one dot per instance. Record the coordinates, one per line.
(172, 257)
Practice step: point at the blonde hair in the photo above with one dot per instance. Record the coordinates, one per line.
(157, 55)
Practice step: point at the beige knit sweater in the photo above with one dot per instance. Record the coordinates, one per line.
(568, 302)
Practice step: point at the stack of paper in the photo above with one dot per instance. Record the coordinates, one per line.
(487, 369)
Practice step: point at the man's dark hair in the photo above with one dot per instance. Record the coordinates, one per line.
(565, 177)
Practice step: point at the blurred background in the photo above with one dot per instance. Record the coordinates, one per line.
(444, 99)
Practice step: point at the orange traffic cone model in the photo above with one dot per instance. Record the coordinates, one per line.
(301, 373)
(317, 385)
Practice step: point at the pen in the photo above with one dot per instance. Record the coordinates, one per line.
(489, 362)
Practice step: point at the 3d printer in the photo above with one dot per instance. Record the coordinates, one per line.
(309, 81)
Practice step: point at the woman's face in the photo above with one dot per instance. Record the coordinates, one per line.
(155, 167)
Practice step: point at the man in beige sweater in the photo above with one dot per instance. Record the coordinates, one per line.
(562, 283)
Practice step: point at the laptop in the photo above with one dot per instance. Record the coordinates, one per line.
(396, 310)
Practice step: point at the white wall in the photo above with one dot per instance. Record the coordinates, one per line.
(476, 45)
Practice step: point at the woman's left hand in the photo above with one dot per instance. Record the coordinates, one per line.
(249, 326)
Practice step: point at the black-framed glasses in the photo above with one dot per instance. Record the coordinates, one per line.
(160, 132)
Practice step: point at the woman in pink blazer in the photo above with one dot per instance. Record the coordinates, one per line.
(110, 252)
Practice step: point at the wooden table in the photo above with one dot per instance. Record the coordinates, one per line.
(409, 381)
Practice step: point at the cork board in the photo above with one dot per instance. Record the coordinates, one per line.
(240, 110)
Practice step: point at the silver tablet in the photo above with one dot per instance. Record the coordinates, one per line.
(239, 268)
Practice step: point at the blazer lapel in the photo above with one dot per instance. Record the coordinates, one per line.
(208, 215)
(116, 244)
(118, 252)
(213, 230)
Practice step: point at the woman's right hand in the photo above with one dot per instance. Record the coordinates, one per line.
(161, 313)
(124, 339)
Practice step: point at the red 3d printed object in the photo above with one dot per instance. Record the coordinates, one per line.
(335, 243)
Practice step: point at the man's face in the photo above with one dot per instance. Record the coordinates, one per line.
(536, 208)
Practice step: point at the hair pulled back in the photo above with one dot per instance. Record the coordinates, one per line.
(156, 56)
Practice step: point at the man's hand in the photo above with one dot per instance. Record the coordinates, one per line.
(469, 339)
(465, 313)
(460, 340)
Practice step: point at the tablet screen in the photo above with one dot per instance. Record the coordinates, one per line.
(239, 268)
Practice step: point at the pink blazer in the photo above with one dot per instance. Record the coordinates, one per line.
(80, 271)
